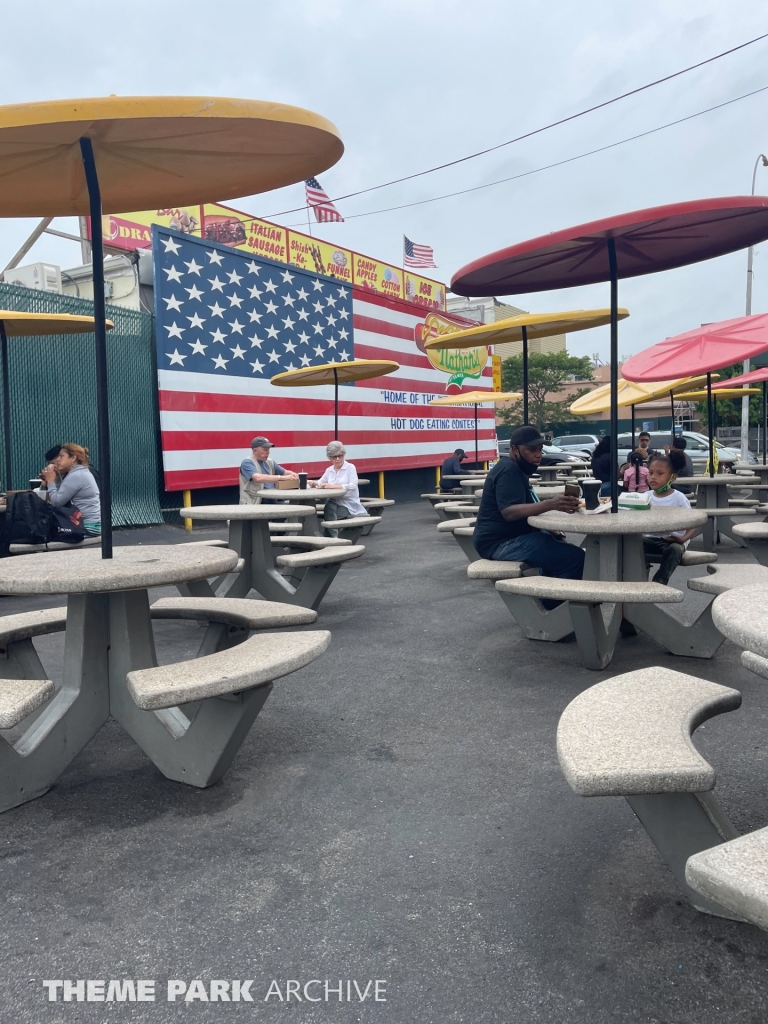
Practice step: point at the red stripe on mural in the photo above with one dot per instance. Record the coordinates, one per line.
(203, 440)
(367, 323)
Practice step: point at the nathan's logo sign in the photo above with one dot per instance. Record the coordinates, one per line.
(459, 363)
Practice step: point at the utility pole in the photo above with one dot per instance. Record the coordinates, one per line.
(750, 275)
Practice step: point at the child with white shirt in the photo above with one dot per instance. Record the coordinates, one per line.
(340, 474)
(669, 547)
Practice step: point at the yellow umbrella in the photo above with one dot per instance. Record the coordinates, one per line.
(631, 393)
(19, 324)
(523, 327)
(701, 396)
(335, 373)
(106, 155)
(477, 398)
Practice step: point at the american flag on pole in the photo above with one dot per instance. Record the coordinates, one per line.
(226, 322)
(415, 255)
(318, 199)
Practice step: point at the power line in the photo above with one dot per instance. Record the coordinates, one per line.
(536, 131)
(558, 163)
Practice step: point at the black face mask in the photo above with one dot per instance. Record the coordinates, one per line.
(527, 467)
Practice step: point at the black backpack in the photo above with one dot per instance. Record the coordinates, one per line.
(29, 519)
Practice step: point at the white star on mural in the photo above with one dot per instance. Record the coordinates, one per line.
(173, 274)
(273, 356)
(170, 245)
(176, 357)
(303, 338)
(330, 300)
(302, 294)
(194, 293)
(256, 341)
(343, 334)
(305, 360)
(237, 327)
(253, 268)
(343, 293)
(196, 320)
(237, 352)
(270, 307)
(318, 307)
(192, 267)
(215, 257)
(216, 284)
(234, 277)
(319, 351)
(290, 347)
(344, 313)
(344, 356)
(331, 319)
(174, 331)
(317, 285)
(290, 366)
(288, 323)
(288, 299)
(257, 366)
(218, 336)
(220, 363)
(255, 316)
(287, 277)
(303, 314)
(216, 310)
(270, 285)
(255, 293)
(333, 342)
(318, 328)
(272, 332)
(198, 347)
(235, 300)
(172, 303)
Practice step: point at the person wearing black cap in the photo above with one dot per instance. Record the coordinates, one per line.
(503, 530)
(260, 471)
(452, 467)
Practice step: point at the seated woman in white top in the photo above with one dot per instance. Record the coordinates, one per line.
(340, 474)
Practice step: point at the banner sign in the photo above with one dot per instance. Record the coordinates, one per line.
(496, 364)
(227, 226)
(228, 320)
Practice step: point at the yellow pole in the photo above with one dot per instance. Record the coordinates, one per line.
(187, 504)
(381, 484)
(437, 476)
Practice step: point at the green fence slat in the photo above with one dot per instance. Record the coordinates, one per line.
(53, 399)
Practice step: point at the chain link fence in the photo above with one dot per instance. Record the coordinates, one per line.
(53, 399)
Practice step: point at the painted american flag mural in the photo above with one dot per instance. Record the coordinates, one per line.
(226, 322)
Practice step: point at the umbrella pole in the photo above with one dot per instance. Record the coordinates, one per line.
(336, 406)
(765, 417)
(710, 425)
(525, 374)
(672, 411)
(632, 435)
(6, 406)
(100, 330)
(477, 464)
(614, 375)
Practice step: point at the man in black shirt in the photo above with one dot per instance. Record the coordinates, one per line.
(452, 467)
(503, 531)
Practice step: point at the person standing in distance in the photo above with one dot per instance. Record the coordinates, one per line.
(259, 471)
(503, 531)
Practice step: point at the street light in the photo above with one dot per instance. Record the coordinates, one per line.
(750, 255)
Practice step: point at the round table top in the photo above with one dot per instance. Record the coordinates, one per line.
(626, 521)
(310, 494)
(131, 568)
(753, 467)
(742, 616)
(219, 512)
(460, 476)
(719, 480)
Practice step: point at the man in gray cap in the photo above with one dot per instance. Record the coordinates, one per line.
(503, 530)
(260, 471)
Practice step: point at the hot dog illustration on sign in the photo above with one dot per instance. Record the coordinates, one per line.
(458, 363)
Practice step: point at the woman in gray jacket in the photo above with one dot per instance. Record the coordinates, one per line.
(71, 482)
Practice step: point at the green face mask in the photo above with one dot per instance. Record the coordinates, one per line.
(663, 490)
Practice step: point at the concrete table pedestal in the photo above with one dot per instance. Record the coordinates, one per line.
(713, 492)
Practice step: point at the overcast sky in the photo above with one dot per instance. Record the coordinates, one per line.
(414, 83)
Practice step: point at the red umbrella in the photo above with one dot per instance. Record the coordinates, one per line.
(702, 350)
(629, 245)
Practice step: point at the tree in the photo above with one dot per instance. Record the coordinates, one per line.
(728, 412)
(548, 374)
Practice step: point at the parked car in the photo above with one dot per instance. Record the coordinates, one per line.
(576, 443)
(550, 456)
(697, 446)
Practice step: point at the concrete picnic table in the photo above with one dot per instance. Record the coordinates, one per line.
(250, 539)
(470, 484)
(711, 493)
(551, 473)
(310, 494)
(108, 634)
(614, 551)
(755, 536)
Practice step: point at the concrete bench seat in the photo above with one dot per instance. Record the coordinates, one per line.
(596, 640)
(713, 513)
(53, 545)
(449, 525)
(285, 527)
(463, 536)
(630, 736)
(20, 697)
(720, 578)
(18, 657)
(433, 499)
(213, 543)
(309, 543)
(255, 663)
(455, 510)
(354, 526)
(495, 569)
(230, 619)
(377, 502)
(755, 536)
(325, 556)
(735, 876)
(689, 557)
